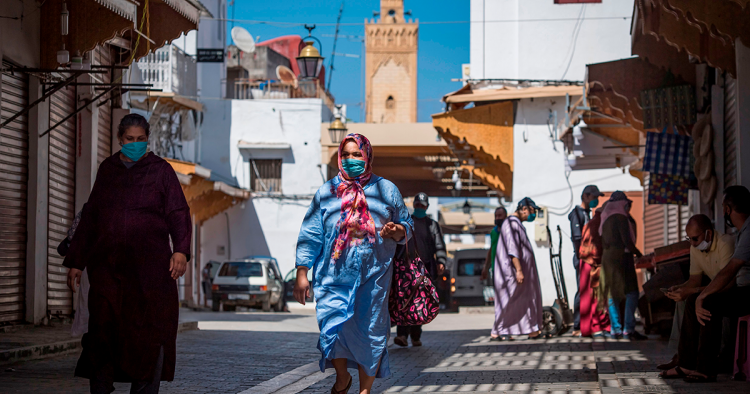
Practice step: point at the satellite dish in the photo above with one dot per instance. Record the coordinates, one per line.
(243, 39)
(286, 75)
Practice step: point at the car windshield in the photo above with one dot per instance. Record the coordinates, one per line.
(470, 267)
(241, 269)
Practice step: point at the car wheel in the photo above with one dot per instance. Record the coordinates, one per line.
(230, 308)
(267, 306)
(215, 304)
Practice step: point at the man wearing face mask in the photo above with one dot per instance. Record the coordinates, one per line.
(428, 242)
(710, 251)
(725, 296)
(579, 216)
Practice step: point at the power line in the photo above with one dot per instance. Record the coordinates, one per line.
(297, 24)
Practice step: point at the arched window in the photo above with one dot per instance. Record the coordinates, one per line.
(390, 103)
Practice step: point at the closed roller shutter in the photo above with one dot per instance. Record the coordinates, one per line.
(14, 154)
(103, 56)
(730, 131)
(653, 227)
(62, 166)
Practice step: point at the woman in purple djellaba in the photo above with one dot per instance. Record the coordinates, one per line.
(518, 294)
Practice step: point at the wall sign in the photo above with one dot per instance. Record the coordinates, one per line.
(210, 55)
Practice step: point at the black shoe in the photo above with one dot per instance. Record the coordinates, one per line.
(635, 336)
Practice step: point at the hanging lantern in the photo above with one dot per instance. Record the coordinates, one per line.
(309, 61)
(337, 130)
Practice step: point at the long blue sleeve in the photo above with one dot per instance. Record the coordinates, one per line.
(401, 215)
(311, 236)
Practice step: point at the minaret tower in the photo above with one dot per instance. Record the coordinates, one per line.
(391, 66)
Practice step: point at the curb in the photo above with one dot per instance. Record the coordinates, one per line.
(47, 350)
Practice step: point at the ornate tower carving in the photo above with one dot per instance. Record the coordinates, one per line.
(391, 66)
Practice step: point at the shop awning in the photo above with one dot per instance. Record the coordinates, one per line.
(614, 88)
(459, 222)
(704, 29)
(206, 198)
(92, 22)
(468, 95)
(482, 139)
(146, 100)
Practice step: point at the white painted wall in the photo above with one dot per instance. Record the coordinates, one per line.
(544, 181)
(212, 34)
(19, 38)
(541, 49)
(268, 224)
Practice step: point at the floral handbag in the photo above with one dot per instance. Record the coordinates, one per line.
(413, 300)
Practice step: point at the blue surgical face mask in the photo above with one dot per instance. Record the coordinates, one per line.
(135, 150)
(420, 212)
(594, 203)
(353, 167)
(531, 217)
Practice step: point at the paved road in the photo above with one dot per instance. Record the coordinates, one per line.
(259, 353)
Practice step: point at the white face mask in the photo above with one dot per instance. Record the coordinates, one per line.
(703, 246)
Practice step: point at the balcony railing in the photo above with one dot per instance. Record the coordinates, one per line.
(170, 69)
(245, 89)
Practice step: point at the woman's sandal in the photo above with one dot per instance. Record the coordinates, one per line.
(699, 379)
(679, 375)
(344, 391)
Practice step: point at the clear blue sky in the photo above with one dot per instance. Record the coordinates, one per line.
(442, 47)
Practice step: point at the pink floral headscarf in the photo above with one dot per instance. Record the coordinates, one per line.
(355, 224)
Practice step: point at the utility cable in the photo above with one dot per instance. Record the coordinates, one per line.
(297, 24)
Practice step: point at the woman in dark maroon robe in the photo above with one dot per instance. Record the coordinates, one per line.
(135, 208)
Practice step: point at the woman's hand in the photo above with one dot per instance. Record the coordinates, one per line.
(178, 265)
(394, 231)
(519, 277)
(301, 286)
(74, 278)
(485, 273)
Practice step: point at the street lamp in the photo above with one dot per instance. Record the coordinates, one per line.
(467, 208)
(337, 130)
(309, 60)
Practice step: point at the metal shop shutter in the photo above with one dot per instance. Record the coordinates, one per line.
(14, 170)
(653, 227)
(62, 169)
(730, 131)
(103, 56)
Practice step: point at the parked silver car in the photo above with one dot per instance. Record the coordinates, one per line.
(253, 282)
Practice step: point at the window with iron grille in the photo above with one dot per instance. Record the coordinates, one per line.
(576, 1)
(265, 175)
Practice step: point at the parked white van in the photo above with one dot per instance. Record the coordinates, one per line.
(466, 268)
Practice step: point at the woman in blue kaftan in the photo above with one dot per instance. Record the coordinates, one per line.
(348, 239)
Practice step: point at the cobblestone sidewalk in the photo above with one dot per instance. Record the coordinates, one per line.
(234, 352)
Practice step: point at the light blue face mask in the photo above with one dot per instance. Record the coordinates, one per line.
(353, 167)
(531, 217)
(135, 150)
(594, 203)
(420, 213)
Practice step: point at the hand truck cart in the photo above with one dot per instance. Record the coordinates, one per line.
(558, 318)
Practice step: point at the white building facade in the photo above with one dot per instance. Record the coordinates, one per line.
(556, 49)
(271, 147)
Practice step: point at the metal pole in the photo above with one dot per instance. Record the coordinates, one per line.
(52, 91)
(77, 111)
